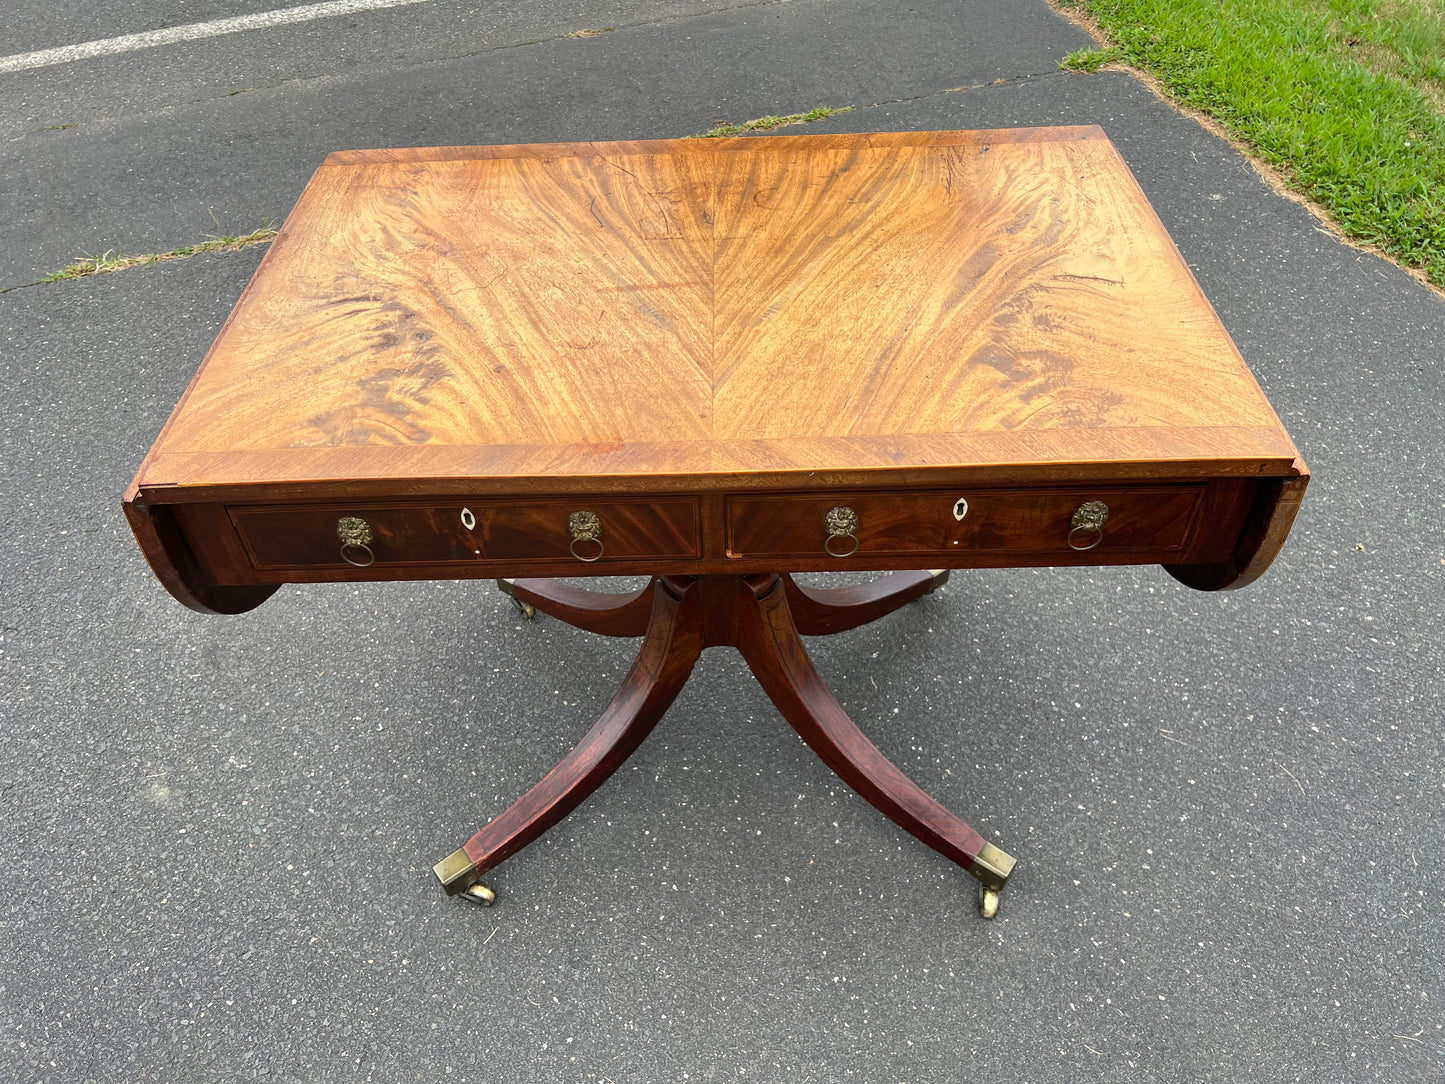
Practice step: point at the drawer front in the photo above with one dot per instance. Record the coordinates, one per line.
(466, 532)
(1154, 521)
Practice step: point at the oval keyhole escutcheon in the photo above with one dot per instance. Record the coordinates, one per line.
(960, 508)
(469, 521)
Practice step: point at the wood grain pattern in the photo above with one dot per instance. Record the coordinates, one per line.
(1036, 521)
(958, 290)
(299, 536)
(1036, 456)
(907, 301)
(454, 305)
(685, 318)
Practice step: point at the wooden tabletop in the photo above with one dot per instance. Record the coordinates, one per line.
(688, 314)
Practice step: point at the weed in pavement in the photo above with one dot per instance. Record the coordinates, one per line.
(99, 265)
(771, 121)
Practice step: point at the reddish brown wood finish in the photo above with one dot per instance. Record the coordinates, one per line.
(769, 642)
(667, 655)
(518, 530)
(1150, 520)
(821, 611)
(901, 530)
(175, 564)
(1270, 518)
(595, 611)
(752, 614)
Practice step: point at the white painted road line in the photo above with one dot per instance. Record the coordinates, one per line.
(190, 32)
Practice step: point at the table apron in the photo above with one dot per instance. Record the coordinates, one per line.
(1182, 523)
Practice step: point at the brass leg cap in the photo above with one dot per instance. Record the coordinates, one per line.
(992, 866)
(940, 577)
(456, 872)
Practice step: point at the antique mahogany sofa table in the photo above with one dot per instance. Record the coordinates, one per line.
(717, 363)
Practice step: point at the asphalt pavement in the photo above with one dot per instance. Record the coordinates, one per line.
(219, 830)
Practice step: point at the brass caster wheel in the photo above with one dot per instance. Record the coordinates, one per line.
(480, 894)
(527, 610)
(987, 901)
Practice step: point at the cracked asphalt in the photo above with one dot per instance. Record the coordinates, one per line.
(219, 831)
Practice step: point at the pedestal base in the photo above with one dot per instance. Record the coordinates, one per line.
(764, 617)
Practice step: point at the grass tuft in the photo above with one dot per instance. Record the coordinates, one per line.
(99, 265)
(1088, 60)
(771, 121)
(1346, 98)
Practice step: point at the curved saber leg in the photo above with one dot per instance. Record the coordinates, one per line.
(769, 642)
(818, 611)
(595, 611)
(672, 645)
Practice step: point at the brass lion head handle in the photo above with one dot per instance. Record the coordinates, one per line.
(1086, 528)
(841, 522)
(586, 530)
(356, 538)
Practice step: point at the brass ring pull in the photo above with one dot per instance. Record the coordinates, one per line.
(356, 537)
(841, 522)
(1089, 519)
(364, 548)
(585, 527)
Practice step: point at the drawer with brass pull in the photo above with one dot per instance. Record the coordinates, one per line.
(1147, 523)
(584, 531)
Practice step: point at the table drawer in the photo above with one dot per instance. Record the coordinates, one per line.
(1155, 521)
(466, 532)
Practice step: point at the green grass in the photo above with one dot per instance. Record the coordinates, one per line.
(1088, 60)
(1345, 97)
(764, 124)
(99, 265)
